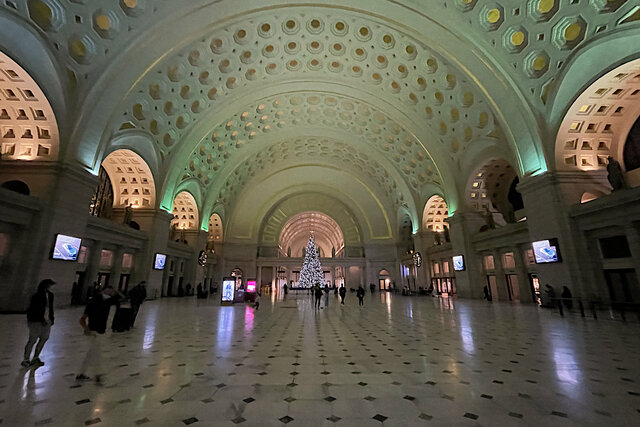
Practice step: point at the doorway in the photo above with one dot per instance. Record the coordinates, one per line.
(103, 279)
(123, 285)
(513, 287)
(623, 285)
(534, 284)
(170, 287)
(493, 287)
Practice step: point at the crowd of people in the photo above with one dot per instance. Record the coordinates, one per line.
(40, 319)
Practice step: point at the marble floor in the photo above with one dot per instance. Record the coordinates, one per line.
(397, 361)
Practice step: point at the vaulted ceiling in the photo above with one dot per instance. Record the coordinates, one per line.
(393, 100)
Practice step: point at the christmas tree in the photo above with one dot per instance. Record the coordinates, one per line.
(311, 272)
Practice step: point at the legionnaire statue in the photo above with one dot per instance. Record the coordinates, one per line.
(615, 176)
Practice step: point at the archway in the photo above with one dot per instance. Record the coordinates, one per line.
(215, 228)
(131, 179)
(492, 188)
(599, 122)
(185, 212)
(384, 280)
(295, 235)
(29, 129)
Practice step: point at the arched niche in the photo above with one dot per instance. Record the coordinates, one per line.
(185, 212)
(405, 233)
(435, 214)
(215, 228)
(131, 179)
(28, 126)
(492, 188)
(296, 231)
(598, 123)
(17, 186)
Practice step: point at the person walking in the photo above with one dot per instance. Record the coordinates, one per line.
(137, 295)
(567, 297)
(343, 293)
(39, 319)
(318, 294)
(94, 323)
(360, 294)
(326, 296)
(487, 295)
(285, 288)
(257, 301)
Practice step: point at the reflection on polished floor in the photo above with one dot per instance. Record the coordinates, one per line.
(397, 361)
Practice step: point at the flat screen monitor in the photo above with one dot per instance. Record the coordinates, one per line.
(228, 289)
(66, 247)
(458, 263)
(251, 285)
(545, 252)
(159, 261)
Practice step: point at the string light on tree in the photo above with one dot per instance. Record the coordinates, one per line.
(311, 272)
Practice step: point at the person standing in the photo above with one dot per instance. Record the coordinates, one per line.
(39, 319)
(343, 293)
(137, 295)
(318, 294)
(285, 288)
(94, 323)
(567, 297)
(360, 294)
(326, 295)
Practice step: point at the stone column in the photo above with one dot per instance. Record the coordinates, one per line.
(64, 193)
(501, 279)
(463, 225)
(546, 199)
(156, 225)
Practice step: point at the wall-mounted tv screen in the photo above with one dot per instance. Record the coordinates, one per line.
(66, 247)
(458, 263)
(159, 261)
(545, 251)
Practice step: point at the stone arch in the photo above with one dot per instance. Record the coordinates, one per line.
(281, 212)
(479, 69)
(491, 187)
(131, 179)
(598, 122)
(435, 214)
(295, 234)
(185, 212)
(28, 125)
(405, 232)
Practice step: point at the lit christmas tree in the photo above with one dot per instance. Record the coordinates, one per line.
(311, 272)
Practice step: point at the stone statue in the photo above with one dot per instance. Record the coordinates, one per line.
(490, 221)
(447, 237)
(128, 215)
(615, 176)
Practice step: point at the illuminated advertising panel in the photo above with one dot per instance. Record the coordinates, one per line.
(228, 289)
(251, 285)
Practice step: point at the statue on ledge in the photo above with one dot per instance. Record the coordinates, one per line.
(615, 175)
(128, 215)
